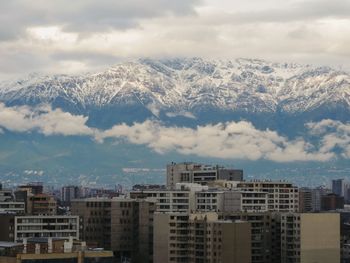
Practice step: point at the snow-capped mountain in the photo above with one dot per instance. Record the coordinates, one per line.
(190, 88)
(282, 97)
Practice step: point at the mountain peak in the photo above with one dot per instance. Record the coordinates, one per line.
(189, 85)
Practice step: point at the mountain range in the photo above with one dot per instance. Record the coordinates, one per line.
(182, 92)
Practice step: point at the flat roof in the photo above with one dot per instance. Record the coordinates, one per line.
(43, 239)
(5, 244)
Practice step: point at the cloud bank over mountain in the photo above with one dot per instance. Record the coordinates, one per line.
(65, 36)
(230, 140)
(42, 119)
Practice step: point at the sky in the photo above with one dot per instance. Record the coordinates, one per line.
(64, 36)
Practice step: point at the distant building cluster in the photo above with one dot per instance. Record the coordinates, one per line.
(203, 213)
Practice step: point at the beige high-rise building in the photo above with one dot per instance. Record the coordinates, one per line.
(122, 225)
(200, 237)
(310, 237)
(261, 233)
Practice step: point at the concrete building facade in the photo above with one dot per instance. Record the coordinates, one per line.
(12, 207)
(69, 193)
(199, 173)
(281, 196)
(200, 237)
(46, 226)
(122, 225)
(310, 237)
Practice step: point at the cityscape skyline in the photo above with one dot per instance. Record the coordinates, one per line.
(199, 214)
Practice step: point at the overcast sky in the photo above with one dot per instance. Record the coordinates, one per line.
(65, 36)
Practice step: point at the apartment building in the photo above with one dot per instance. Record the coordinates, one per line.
(281, 196)
(122, 225)
(310, 200)
(12, 207)
(216, 200)
(310, 237)
(41, 204)
(199, 173)
(261, 239)
(34, 188)
(46, 226)
(190, 197)
(305, 200)
(179, 199)
(5, 194)
(200, 237)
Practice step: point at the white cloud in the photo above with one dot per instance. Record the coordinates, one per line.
(186, 114)
(44, 120)
(231, 140)
(335, 136)
(152, 107)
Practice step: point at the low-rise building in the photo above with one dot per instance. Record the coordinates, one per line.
(46, 226)
(12, 207)
(38, 250)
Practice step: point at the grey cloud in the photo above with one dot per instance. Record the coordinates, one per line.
(19, 61)
(274, 30)
(295, 11)
(93, 58)
(85, 15)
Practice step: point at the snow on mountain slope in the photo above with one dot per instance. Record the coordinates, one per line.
(189, 85)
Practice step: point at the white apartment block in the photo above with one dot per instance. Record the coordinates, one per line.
(12, 207)
(254, 201)
(180, 199)
(170, 201)
(46, 226)
(230, 201)
(188, 197)
(281, 196)
(209, 201)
